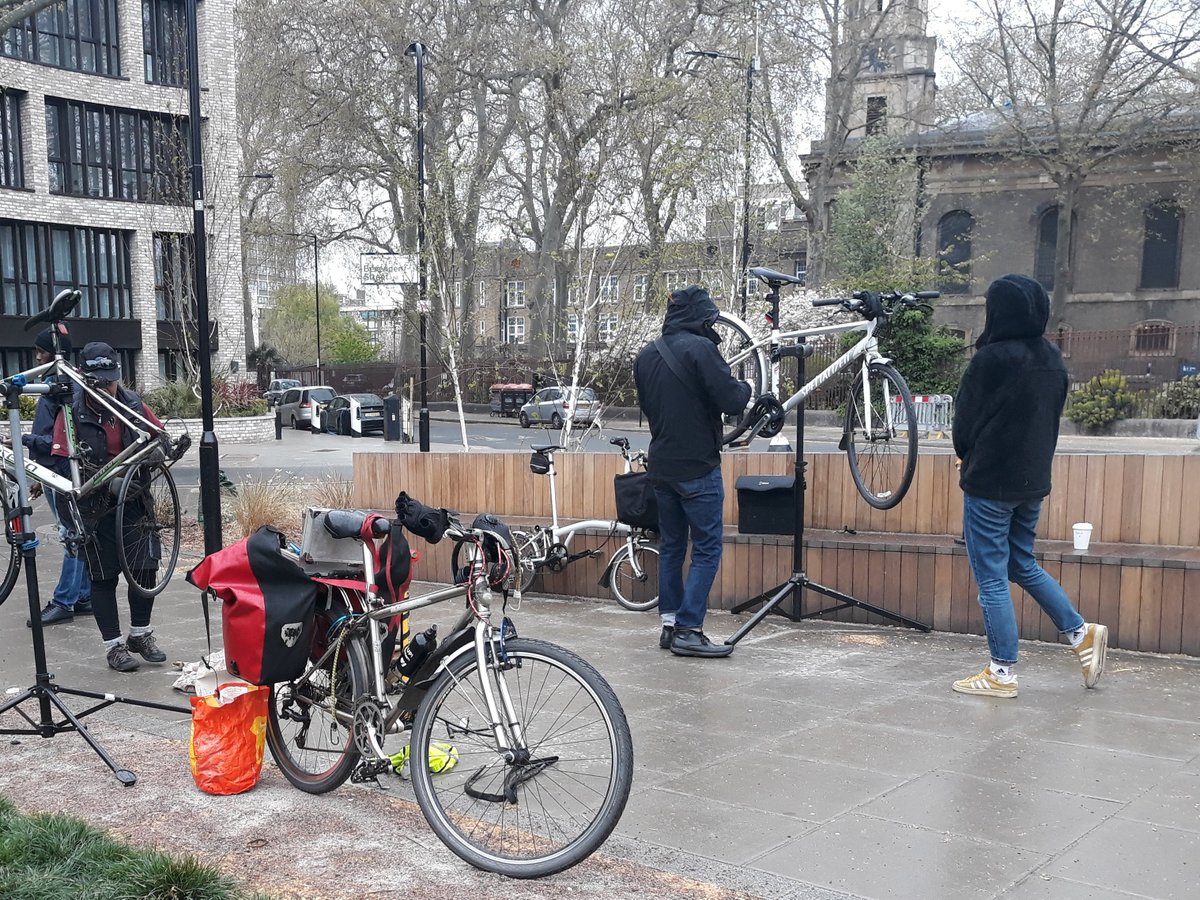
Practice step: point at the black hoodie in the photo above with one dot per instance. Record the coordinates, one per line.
(685, 419)
(1010, 399)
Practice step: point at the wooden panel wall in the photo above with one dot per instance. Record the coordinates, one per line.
(1128, 499)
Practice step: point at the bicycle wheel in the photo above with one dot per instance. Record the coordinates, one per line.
(560, 798)
(881, 462)
(634, 579)
(527, 550)
(310, 727)
(148, 527)
(12, 527)
(746, 361)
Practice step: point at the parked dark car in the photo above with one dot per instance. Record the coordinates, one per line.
(277, 388)
(354, 414)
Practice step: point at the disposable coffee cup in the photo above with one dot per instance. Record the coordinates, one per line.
(1083, 535)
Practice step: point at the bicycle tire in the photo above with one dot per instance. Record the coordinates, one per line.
(574, 723)
(12, 568)
(882, 464)
(526, 551)
(747, 362)
(148, 487)
(300, 708)
(632, 592)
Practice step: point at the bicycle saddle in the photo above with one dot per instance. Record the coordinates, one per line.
(549, 448)
(348, 523)
(770, 275)
(58, 310)
(619, 442)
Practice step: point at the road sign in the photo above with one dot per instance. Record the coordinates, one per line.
(389, 268)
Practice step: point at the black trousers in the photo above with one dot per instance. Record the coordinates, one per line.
(104, 606)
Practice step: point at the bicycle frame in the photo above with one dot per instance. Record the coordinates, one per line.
(501, 713)
(866, 350)
(143, 446)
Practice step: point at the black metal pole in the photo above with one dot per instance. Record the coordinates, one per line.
(417, 50)
(210, 470)
(317, 294)
(745, 269)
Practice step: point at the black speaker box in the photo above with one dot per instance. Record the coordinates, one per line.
(765, 504)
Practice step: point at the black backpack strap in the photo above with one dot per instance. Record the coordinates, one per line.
(674, 365)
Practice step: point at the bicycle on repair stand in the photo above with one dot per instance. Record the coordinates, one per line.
(880, 444)
(632, 570)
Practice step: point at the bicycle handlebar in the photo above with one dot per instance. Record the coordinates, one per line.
(873, 303)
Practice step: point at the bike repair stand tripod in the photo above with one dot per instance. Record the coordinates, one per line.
(44, 691)
(796, 584)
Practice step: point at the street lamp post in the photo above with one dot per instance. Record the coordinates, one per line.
(751, 68)
(316, 287)
(210, 470)
(417, 50)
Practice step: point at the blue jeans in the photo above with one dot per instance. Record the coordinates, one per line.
(999, 536)
(689, 507)
(73, 582)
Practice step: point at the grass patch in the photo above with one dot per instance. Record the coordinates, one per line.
(53, 857)
(272, 502)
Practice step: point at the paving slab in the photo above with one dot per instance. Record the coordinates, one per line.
(820, 761)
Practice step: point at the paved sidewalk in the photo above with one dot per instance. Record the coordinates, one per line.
(819, 761)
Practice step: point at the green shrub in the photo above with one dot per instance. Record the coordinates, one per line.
(28, 406)
(1102, 401)
(1179, 399)
(182, 399)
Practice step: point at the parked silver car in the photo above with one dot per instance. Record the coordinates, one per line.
(553, 405)
(275, 390)
(298, 404)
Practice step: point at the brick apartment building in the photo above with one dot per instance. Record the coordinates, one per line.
(95, 180)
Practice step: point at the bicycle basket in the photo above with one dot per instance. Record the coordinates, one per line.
(539, 464)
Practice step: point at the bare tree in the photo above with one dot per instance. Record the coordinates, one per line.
(1069, 86)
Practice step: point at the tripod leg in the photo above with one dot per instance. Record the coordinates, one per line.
(124, 776)
(795, 583)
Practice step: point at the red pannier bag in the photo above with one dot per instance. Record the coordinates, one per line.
(268, 610)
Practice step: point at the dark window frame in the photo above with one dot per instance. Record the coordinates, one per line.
(164, 42)
(61, 37)
(1162, 224)
(37, 260)
(12, 162)
(112, 153)
(1153, 337)
(955, 248)
(174, 268)
(1045, 252)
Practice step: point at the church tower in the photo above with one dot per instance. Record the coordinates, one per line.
(894, 88)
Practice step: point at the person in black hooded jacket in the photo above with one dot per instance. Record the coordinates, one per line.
(685, 462)
(1005, 432)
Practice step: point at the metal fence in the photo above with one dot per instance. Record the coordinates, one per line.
(934, 414)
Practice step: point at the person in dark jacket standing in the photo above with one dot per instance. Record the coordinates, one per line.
(1005, 432)
(106, 436)
(71, 594)
(684, 411)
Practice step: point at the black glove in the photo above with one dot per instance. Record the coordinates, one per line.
(423, 521)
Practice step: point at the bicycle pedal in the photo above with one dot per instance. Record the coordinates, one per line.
(740, 442)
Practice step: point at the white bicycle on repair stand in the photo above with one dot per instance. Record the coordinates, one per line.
(632, 570)
(880, 447)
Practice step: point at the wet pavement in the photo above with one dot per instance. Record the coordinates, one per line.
(819, 761)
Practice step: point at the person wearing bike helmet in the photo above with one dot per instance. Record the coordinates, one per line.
(1005, 432)
(683, 391)
(72, 593)
(105, 437)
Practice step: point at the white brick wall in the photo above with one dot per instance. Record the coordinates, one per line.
(245, 430)
(222, 159)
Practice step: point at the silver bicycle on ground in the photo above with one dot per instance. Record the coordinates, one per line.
(632, 570)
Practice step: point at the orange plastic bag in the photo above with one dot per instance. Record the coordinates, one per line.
(229, 732)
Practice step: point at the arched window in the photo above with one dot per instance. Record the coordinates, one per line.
(954, 251)
(1154, 337)
(1047, 243)
(1160, 245)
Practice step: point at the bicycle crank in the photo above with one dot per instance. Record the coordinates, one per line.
(369, 729)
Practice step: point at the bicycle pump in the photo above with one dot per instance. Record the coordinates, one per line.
(44, 690)
(799, 581)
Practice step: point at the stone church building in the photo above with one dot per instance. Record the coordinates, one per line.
(987, 211)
